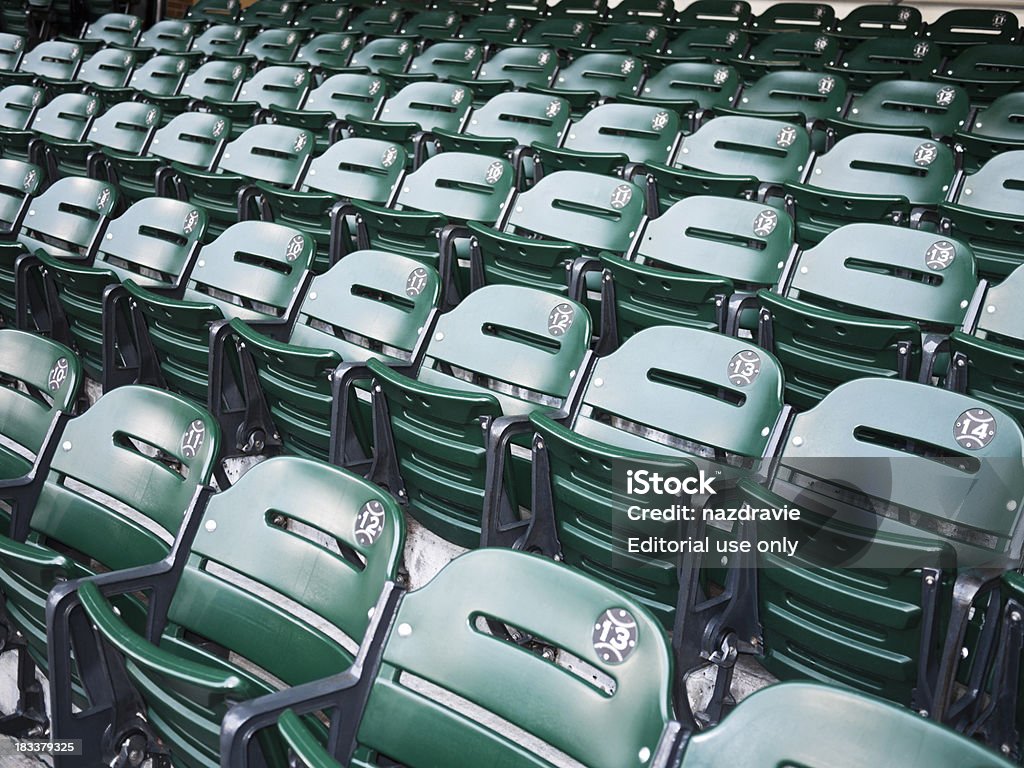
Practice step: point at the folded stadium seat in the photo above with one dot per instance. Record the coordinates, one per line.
(409, 117)
(271, 46)
(506, 126)
(986, 212)
(427, 220)
(787, 50)
(658, 12)
(705, 14)
(788, 722)
(323, 18)
(443, 428)
(213, 11)
(732, 156)
(714, 405)
(192, 139)
(12, 48)
(106, 73)
(221, 41)
(961, 28)
(564, 215)
(110, 29)
(871, 177)
(810, 98)
(708, 44)
(813, 18)
(985, 356)
(431, 25)
(180, 663)
(868, 300)
(313, 384)
(377, 21)
(112, 495)
(52, 61)
(909, 499)
(887, 58)
(268, 14)
(512, 69)
(19, 182)
(911, 107)
(455, 61)
(699, 264)
(127, 127)
(560, 33)
(153, 243)
(613, 139)
(325, 110)
(19, 104)
(170, 36)
(996, 128)
(509, 691)
(595, 77)
(503, 29)
(255, 271)
(986, 72)
(532, 10)
(870, 22)
(66, 221)
(328, 53)
(689, 88)
(161, 76)
(383, 53)
(67, 117)
(275, 154)
(283, 85)
(214, 81)
(636, 38)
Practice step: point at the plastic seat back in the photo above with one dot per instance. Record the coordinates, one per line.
(214, 11)
(168, 36)
(18, 104)
(66, 219)
(869, 22)
(707, 44)
(713, 13)
(370, 305)
(152, 243)
(758, 733)
(443, 614)
(126, 127)
(917, 107)
(514, 68)
(987, 214)
(636, 38)
(797, 96)
(433, 24)
(384, 53)
(880, 59)
(329, 51)
(986, 71)
(805, 17)
(218, 80)
(32, 366)
(871, 177)
(12, 48)
(448, 61)
(162, 75)
(266, 14)
(114, 497)
(326, 18)
(892, 477)
(274, 46)
(53, 60)
(420, 106)
(67, 116)
(108, 68)
(519, 118)
(963, 27)
(263, 509)
(859, 301)
(690, 260)
(220, 40)
(607, 74)
(120, 29)
(377, 22)
(504, 350)
(559, 33)
(688, 86)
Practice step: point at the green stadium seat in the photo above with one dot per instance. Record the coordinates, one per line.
(816, 18)
(67, 117)
(143, 453)
(255, 271)
(351, 169)
(281, 85)
(169, 36)
(384, 53)
(785, 51)
(325, 111)
(986, 72)
(12, 48)
(431, 25)
(594, 77)
(564, 215)
(714, 405)
(454, 61)
(153, 243)
(996, 128)
(699, 264)
(794, 96)
(659, 12)
(127, 127)
(272, 46)
(313, 384)
(513, 68)
(492, 28)
(636, 38)
(713, 13)
(219, 41)
(428, 218)
(881, 59)
(214, 11)
(689, 87)
(961, 28)
(613, 138)
(186, 688)
(986, 213)
(869, 22)
(868, 300)
(192, 139)
(871, 177)
(732, 156)
(268, 14)
(18, 106)
(213, 81)
(19, 183)
(377, 21)
(324, 18)
(442, 431)
(106, 73)
(560, 33)
(911, 107)
(52, 60)
(597, 727)
(111, 29)
(327, 53)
